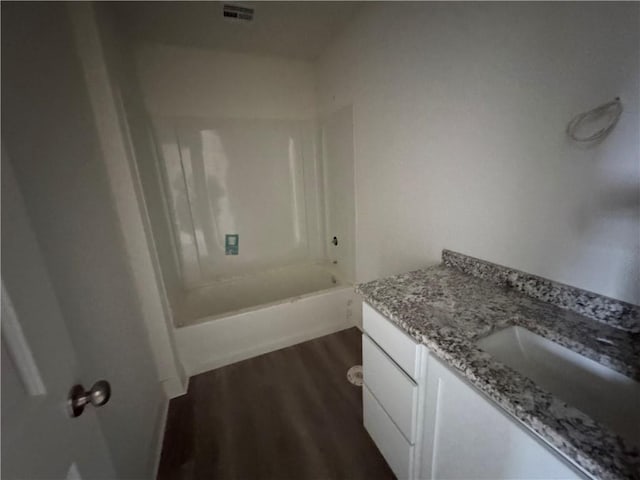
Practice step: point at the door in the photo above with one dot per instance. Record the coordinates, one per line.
(39, 365)
(62, 152)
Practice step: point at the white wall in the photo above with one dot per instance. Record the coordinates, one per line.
(459, 129)
(188, 82)
(237, 135)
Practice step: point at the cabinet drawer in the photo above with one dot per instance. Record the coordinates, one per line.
(394, 447)
(392, 388)
(397, 344)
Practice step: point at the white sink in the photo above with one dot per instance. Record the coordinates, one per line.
(603, 394)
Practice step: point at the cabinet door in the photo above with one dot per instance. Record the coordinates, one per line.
(467, 437)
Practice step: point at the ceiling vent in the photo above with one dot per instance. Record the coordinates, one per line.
(237, 13)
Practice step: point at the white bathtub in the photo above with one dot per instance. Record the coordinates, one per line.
(239, 318)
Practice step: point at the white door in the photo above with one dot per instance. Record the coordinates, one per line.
(39, 365)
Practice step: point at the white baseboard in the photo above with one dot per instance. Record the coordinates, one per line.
(173, 387)
(161, 423)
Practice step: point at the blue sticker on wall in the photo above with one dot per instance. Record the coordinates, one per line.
(231, 244)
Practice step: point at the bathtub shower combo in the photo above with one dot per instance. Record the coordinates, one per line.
(261, 221)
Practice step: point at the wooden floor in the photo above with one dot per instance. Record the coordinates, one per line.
(287, 414)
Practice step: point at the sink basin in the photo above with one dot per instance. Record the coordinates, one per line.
(605, 395)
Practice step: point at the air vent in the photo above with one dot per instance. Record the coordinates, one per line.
(237, 13)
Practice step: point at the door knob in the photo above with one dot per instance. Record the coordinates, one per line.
(79, 397)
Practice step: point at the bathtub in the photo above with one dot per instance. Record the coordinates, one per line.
(238, 318)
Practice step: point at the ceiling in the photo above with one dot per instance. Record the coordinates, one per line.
(298, 30)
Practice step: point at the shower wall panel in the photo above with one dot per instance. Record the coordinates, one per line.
(339, 189)
(255, 178)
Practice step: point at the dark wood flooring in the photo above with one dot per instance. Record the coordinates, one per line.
(289, 414)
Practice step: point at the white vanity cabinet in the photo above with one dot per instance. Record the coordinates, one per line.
(429, 423)
(467, 436)
(393, 392)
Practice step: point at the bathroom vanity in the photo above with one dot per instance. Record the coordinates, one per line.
(468, 374)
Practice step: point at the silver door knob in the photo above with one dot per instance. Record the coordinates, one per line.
(79, 397)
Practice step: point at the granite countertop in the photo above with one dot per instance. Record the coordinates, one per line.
(449, 307)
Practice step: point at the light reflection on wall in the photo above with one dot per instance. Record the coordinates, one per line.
(216, 165)
(294, 191)
(192, 201)
(179, 205)
(239, 176)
